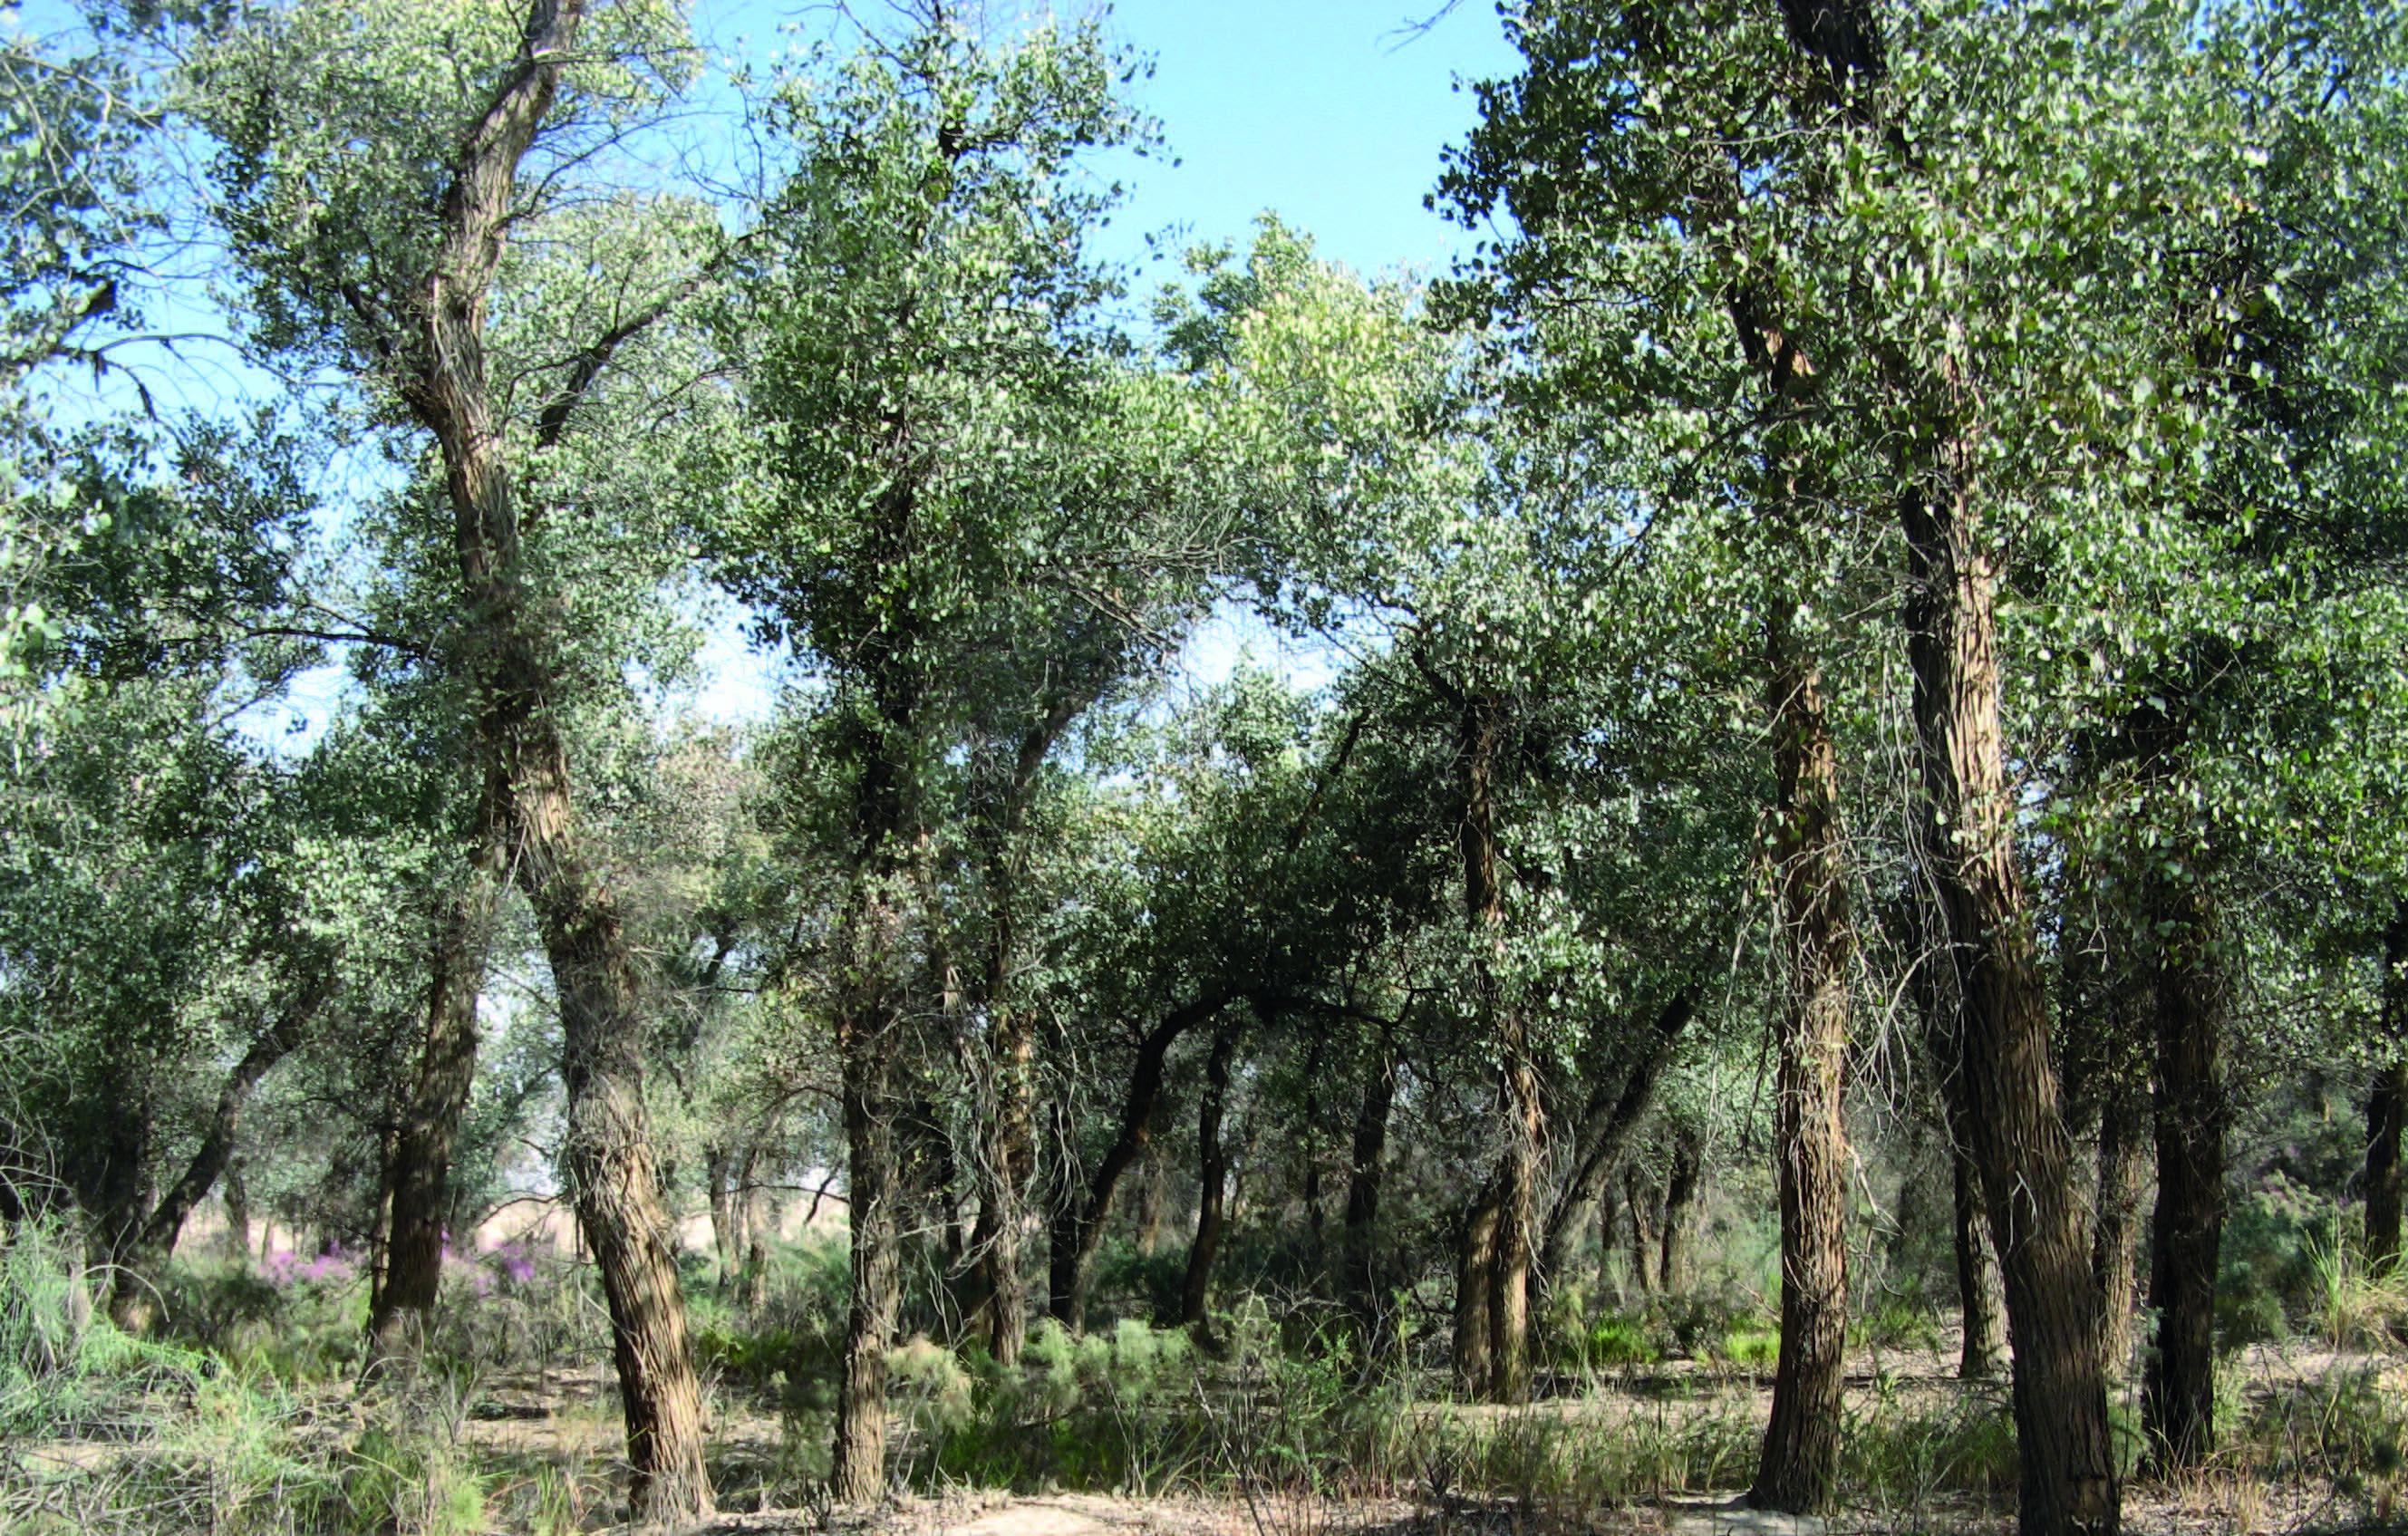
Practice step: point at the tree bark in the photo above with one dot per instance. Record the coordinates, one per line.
(868, 1034)
(1799, 1469)
(1212, 1174)
(1640, 1196)
(1967, 859)
(726, 1221)
(2178, 1391)
(2386, 1105)
(133, 1302)
(607, 1158)
(2115, 1244)
(1475, 1275)
(1509, 1239)
(1153, 1201)
(1366, 1168)
(418, 1174)
(1680, 1205)
(1984, 1348)
(1606, 1124)
(1077, 1228)
(1009, 1158)
(238, 1208)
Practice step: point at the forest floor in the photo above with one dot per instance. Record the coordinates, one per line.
(567, 1421)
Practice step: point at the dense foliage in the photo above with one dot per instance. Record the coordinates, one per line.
(1858, 794)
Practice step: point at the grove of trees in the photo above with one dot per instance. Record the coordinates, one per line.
(1865, 634)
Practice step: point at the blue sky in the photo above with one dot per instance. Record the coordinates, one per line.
(1323, 111)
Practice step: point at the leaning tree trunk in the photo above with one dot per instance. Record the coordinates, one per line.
(2178, 1392)
(1606, 1124)
(418, 1173)
(1213, 1177)
(1799, 1469)
(606, 1153)
(1967, 858)
(2386, 1105)
(1367, 1165)
(1078, 1226)
(2115, 1242)
(133, 1303)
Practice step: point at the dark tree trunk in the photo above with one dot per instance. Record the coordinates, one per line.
(418, 1173)
(1078, 1228)
(1504, 1224)
(1309, 1155)
(867, 1042)
(2178, 1391)
(1800, 1467)
(1367, 1166)
(1212, 1175)
(2115, 1244)
(1967, 857)
(1475, 1275)
(1680, 1207)
(2386, 1105)
(1607, 1120)
(1640, 1196)
(133, 1294)
(1984, 1349)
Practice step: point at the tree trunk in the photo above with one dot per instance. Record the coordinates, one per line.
(726, 1222)
(418, 1174)
(1680, 1206)
(133, 1303)
(1475, 1274)
(1984, 1349)
(2115, 1244)
(1640, 1196)
(1213, 1173)
(1508, 1232)
(607, 1157)
(1153, 1201)
(606, 1160)
(1367, 1166)
(867, 1042)
(2386, 1105)
(1967, 857)
(1010, 1158)
(1509, 1293)
(1799, 1469)
(1078, 1228)
(1606, 1124)
(238, 1208)
(2178, 1391)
